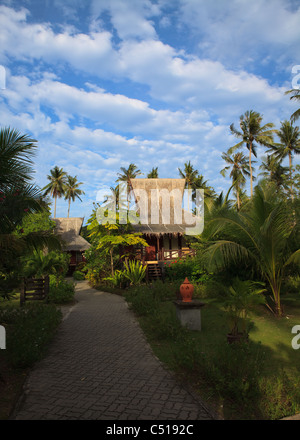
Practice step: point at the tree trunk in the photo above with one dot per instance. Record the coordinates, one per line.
(69, 208)
(111, 261)
(55, 206)
(250, 166)
(291, 180)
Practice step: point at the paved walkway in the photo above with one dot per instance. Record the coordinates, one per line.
(100, 367)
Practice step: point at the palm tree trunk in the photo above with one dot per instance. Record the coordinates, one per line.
(55, 206)
(250, 166)
(69, 208)
(238, 198)
(291, 180)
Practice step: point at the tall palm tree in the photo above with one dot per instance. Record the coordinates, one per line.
(153, 173)
(189, 174)
(239, 171)
(251, 134)
(72, 190)
(127, 174)
(274, 171)
(296, 95)
(289, 145)
(57, 186)
(263, 237)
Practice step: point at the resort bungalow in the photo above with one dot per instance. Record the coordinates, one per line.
(163, 223)
(73, 243)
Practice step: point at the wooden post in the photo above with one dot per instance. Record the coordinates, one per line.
(22, 293)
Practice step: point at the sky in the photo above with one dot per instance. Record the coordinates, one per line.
(101, 84)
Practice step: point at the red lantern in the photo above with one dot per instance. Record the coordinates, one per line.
(186, 291)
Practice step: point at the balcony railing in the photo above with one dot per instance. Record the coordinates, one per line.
(165, 254)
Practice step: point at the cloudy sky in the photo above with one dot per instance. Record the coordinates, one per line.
(104, 83)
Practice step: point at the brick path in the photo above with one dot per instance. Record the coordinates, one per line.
(100, 367)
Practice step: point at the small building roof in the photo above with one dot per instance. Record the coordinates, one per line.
(69, 229)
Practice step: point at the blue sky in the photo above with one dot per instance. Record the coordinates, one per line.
(103, 83)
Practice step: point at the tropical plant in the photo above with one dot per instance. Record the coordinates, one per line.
(239, 172)
(57, 186)
(296, 95)
(153, 173)
(16, 153)
(19, 198)
(289, 145)
(110, 237)
(251, 134)
(242, 296)
(274, 171)
(38, 263)
(263, 236)
(118, 279)
(127, 174)
(189, 174)
(135, 272)
(72, 190)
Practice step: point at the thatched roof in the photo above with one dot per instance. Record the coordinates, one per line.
(69, 229)
(154, 188)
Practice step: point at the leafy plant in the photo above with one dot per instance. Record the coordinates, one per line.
(135, 272)
(243, 296)
(118, 279)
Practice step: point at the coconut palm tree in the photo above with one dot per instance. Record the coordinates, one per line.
(263, 237)
(153, 173)
(189, 174)
(251, 134)
(127, 174)
(57, 186)
(274, 171)
(296, 95)
(289, 145)
(239, 172)
(72, 190)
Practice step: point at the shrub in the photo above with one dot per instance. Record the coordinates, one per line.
(79, 276)
(61, 291)
(29, 330)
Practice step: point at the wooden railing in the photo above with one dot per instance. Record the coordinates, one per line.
(173, 254)
(34, 289)
(167, 254)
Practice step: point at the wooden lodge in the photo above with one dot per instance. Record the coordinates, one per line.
(73, 243)
(166, 237)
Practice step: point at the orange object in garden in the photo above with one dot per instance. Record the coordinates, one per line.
(186, 291)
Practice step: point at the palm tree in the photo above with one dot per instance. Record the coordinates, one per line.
(72, 190)
(239, 172)
(252, 133)
(153, 173)
(263, 237)
(189, 174)
(16, 153)
(296, 114)
(57, 186)
(274, 171)
(289, 137)
(127, 174)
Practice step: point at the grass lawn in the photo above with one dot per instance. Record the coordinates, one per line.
(276, 373)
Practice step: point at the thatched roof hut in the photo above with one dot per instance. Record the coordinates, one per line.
(69, 229)
(166, 197)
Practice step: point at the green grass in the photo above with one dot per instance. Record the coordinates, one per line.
(258, 381)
